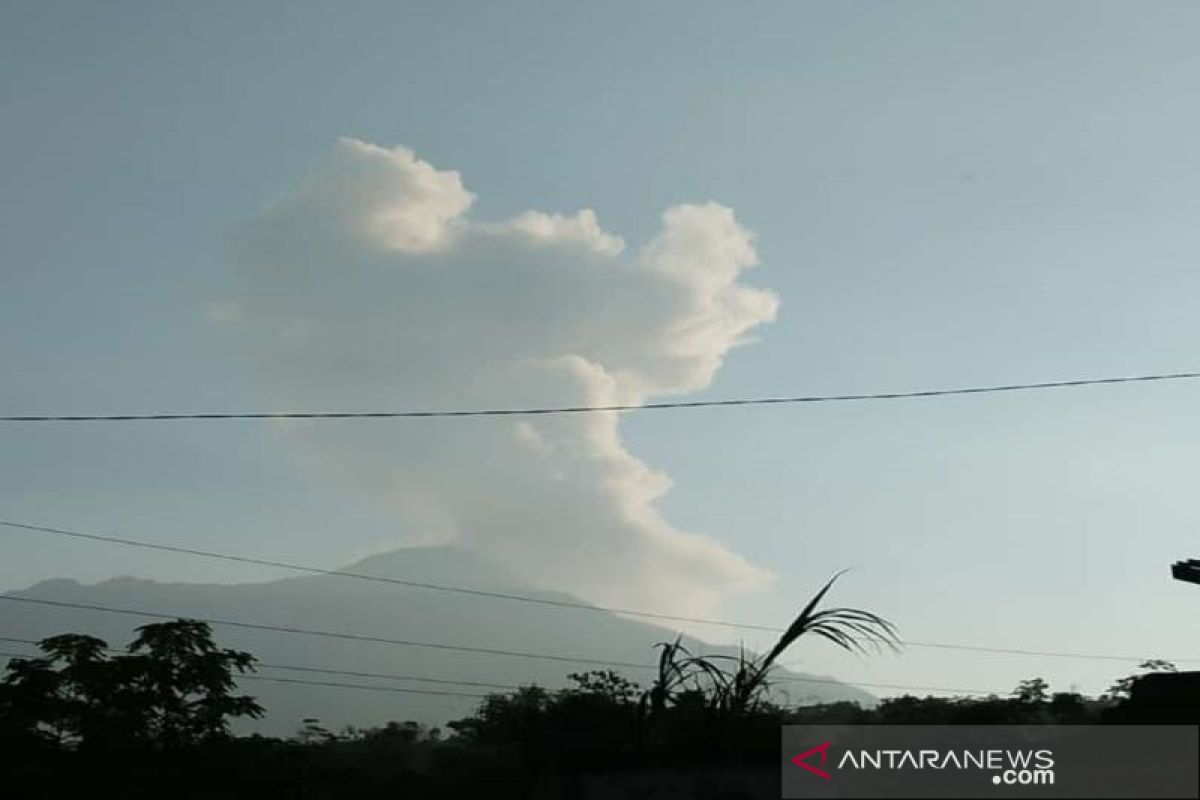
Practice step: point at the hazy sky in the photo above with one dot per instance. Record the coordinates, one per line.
(939, 194)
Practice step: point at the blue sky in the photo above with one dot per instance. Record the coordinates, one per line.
(942, 194)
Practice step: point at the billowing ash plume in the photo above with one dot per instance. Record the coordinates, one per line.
(369, 286)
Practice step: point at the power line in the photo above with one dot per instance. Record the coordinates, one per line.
(387, 676)
(549, 602)
(367, 686)
(327, 671)
(392, 676)
(510, 686)
(1015, 651)
(517, 653)
(378, 579)
(979, 692)
(319, 683)
(329, 634)
(510, 412)
(789, 679)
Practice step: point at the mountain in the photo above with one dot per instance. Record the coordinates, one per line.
(342, 605)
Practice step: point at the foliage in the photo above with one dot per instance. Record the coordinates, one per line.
(1032, 690)
(172, 688)
(155, 716)
(1121, 687)
(737, 685)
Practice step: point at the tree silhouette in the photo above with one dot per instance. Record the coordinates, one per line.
(172, 688)
(1032, 690)
(60, 697)
(181, 683)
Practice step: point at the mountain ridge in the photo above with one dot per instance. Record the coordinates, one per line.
(340, 605)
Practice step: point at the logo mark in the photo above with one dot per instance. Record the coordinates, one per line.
(801, 760)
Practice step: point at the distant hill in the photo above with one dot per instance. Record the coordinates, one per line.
(332, 603)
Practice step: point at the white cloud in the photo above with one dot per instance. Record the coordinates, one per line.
(370, 287)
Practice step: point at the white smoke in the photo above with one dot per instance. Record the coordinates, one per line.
(370, 287)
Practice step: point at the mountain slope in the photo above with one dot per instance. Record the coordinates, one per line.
(345, 606)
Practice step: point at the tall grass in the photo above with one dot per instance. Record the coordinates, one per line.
(736, 684)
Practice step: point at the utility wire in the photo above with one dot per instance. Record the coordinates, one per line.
(367, 686)
(239, 678)
(979, 692)
(327, 671)
(509, 412)
(833, 681)
(327, 634)
(547, 602)
(379, 579)
(500, 652)
(386, 676)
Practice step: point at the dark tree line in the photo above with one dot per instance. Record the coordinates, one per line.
(153, 720)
